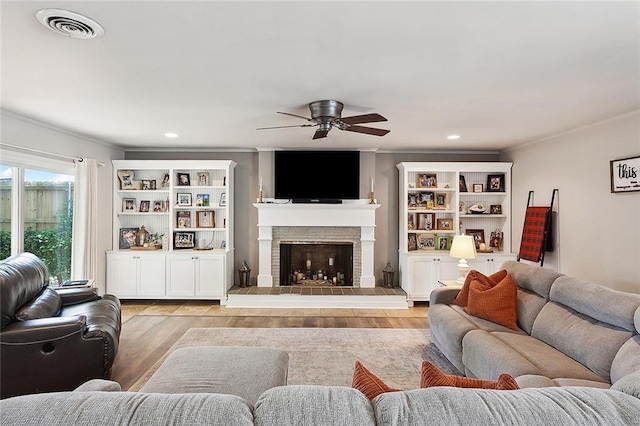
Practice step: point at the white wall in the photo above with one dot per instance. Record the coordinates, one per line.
(25, 133)
(597, 233)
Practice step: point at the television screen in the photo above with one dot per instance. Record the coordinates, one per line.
(317, 176)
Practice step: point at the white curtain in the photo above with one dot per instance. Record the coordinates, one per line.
(85, 204)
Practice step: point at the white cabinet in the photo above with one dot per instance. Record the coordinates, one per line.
(136, 275)
(190, 203)
(440, 200)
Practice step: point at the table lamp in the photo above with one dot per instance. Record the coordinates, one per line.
(463, 247)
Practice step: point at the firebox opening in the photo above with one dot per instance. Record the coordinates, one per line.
(316, 263)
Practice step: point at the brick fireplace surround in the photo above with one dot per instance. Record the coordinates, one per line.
(351, 222)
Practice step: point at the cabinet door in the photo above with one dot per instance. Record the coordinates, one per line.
(180, 275)
(122, 275)
(210, 276)
(422, 277)
(152, 276)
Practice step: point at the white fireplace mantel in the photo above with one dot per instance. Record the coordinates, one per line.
(357, 214)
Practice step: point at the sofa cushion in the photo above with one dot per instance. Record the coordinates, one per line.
(432, 376)
(368, 383)
(629, 384)
(462, 299)
(529, 305)
(531, 278)
(495, 302)
(47, 304)
(22, 277)
(627, 359)
(588, 341)
(313, 405)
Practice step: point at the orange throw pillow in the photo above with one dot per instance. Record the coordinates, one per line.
(367, 382)
(432, 376)
(496, 303)
(462, 298)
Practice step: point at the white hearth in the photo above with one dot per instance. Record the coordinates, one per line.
(341, 219)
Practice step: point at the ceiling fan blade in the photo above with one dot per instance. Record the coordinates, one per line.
(282, 127)
(365, 118)
(319, 134)
(294, 115)
(367, 130)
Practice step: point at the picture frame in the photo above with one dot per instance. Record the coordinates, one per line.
(184, 199)
(158, 206)
(496, 240)
(478, 187)
(126, 179)
(625, 174)
(127, 238)
(203, 178)
(463, 184)
(144, 206)
(411, 221)
(426, 241)
(129, 205)
(445, 224)
(146, 184)
(495, 209)
(427, 200)
(184, 179)
(202, 200)
(223, 199)
(152, 185)
(412, 242)
(426, 221)
(478, 236)
(440, 201)
(183, 219)
(495, 183)
(427, 180)
(413, 200)
(443, 242)
(184, 240)
(205, 219)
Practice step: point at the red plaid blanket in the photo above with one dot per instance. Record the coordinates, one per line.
(535, 225)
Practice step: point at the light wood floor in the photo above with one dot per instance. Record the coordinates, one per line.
(150, 329)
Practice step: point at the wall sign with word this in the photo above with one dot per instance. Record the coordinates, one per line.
(625, 174)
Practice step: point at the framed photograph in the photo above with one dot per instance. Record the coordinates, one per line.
(144, 206)
(495, 183)
(184, 179)
(440, 201)
(152, 184)
(427, 180)
(445, 224)
(496, 240)
(158, 206)
(427, 200)
(625, 174)
(129, 205)
(203, 178)
(412, 242)
(478, 187)
(463, 184)
(202, 200)
(426, 241)
(126, 179)
(184, 199)
(413, 200)
(478, 236)
(223, 199)
(495, 209)
(127, 238)
(411, 221)
(183, 219)
(146, 185)
(184, 240)
(443, 242)
(426, 221)
(205, 219)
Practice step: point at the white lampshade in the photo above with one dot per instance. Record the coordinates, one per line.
(463, 247)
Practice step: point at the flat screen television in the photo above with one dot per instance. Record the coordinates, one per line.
(317, 176)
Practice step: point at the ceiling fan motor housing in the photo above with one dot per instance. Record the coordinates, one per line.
(326, 110)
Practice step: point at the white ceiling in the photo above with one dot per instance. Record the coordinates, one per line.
(498, 73)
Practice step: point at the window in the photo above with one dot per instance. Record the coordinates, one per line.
(37, 212)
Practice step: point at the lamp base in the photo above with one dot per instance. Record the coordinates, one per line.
(463, 271)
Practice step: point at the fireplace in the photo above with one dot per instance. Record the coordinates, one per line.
(316, 263)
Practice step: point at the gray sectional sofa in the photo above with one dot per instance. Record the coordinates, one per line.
(571, 332)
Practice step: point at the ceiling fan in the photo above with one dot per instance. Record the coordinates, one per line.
(327, 114)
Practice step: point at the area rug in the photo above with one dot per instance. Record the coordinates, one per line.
(326, 356)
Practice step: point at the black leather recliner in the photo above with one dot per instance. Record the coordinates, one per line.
(52, 339)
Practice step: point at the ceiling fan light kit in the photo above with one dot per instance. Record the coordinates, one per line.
(327, 114)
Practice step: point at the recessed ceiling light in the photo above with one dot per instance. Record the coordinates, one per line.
(171, 135)
(453, 137)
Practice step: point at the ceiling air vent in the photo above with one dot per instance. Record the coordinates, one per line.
(69, 24)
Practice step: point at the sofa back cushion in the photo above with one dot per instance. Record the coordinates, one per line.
(22, 277)
(46, 304)
(532, 278)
